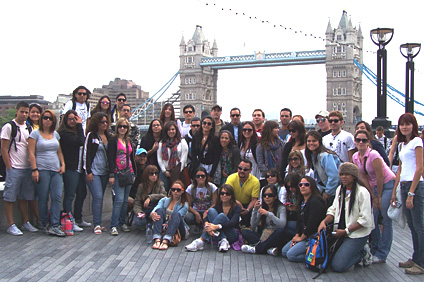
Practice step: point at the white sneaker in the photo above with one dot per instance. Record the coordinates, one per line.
(248, 249)
(272, 252)
(14, 230)
(114, 231)
(27, 226)
(84, 224)
(196, 245)
(367, 259)
(77, 228)
(224, 245)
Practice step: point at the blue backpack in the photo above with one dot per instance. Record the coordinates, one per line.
(317, 253)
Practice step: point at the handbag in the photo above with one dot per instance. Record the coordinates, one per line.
(396, 213)
(265, 234)
(176, 239)
(125, 177)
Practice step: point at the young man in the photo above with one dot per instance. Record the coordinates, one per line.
(189, 112)
(339, 141)
(386, 142)
(79, 104)
(121, 99)
(216, 113)
(235, 125)
(285, 118)
(19, 183)
(322, 121)
(258, 118)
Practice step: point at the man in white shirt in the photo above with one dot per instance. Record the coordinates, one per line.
(386, 142)
(79, 104)
(339, 141)
(189, 112)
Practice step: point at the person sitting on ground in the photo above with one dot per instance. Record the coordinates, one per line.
(291, 187)
(273, 178)
(269, 217)
(170, 211)
(220, 223)
(141, 163)
(311, 211)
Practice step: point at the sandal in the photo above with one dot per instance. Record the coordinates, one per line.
(164, 245)
(97, 230)
(156, 244)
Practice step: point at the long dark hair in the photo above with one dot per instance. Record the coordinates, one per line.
(149, 135)
(197, 138)
(98, 107)
(275, 206)
(253, 139)
(300, 128)
(230, 135)
(228, 188)
(321, 148)
(314, 191)
(368, 127)
(54, 121)
(162, 113)
(353, 190)
(74, 93)
(407, 118)
(194, 182)
(145, 180)
(29, 120)
(275, 171)
(183, 198)
(266, 135)
(93, 125)
(64, 123)
(165, 129)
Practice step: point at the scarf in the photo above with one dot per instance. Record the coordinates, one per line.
(173, 158)
(273, 159)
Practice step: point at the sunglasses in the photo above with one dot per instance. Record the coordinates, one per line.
(121, 99)
(188, 112)
(333, 120)
(292, 130)
(153, 173)
(247, 129)
(195, 125)
(359, 140)
(126, 110)
(270, 175)
(294, 159)
(47, 118)
(123, 126)
(235, 115)
(103, 121)
(105, 102)
(320, 119)
(305, 184)
(223, 193)
(82, 93)
(198, 176)
(176, 190)
(270, 195)
(243, 168)
(207, 123)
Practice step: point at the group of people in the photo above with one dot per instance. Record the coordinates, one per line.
(258, 182)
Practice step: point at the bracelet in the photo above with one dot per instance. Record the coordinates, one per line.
(35, 169)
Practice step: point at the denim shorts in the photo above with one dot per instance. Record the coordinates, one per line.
(19, 185)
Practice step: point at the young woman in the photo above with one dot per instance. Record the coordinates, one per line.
(297, 164)
(48, 165)
(351, 213)
(296, 142)
(248, 143)
(311, 211)
(291, 186)
(168, 114)
(220, 223)
(205, 147)
(172, 154)
(96, 165)
(34, 116)
(149, 192)
(273, 178)
(268, 216)
(374, 143)
(409, 175)
(151, 140)
(229, 156)
(324, 163)
(71, 139)
(379, 180)
(171, 211)
(104, 105)
(269, 152)
(120, 156)
(201, 196)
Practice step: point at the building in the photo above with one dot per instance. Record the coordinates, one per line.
(9, 102)
(57, 106)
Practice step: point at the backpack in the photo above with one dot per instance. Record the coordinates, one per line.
(13, 133)
(317, 253)
(67, 222)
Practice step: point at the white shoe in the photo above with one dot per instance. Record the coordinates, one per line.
(224, 245)
(27, 226)
(77, 228)
(14, 230)
(196, 245)
(367, 259)
(272, 252)
(84, 224)
(248, 249)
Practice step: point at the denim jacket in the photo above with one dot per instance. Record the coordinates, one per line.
(164, 203)
(326, 170)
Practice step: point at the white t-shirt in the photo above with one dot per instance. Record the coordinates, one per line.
(18, 158)
(185, 128)
(201, 203)
(409, 159)
(81, 110)
(341, 144)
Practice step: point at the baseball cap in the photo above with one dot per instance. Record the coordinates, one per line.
(322, 113)
(216, 107)
(141, 151)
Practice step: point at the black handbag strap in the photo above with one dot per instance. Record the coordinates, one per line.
(127, 152)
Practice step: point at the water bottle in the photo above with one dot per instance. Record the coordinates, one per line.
(149, 234)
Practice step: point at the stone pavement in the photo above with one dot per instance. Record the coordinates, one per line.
(85, 256)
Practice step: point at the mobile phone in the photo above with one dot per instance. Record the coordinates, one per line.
(216, 233)
(140, 214)
(334, 232)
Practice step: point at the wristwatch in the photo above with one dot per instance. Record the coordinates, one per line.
(411, 194)
(347, 231)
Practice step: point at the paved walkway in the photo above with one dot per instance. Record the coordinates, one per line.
(85, 256)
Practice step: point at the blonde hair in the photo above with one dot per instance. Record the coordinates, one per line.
(302, 168)
(118, 122)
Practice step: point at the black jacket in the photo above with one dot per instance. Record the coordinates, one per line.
(310, 216)
(211, 157)
(90, 149)
(230, 128)
(70, 145)
(112, 150)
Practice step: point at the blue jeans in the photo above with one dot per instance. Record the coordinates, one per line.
(97, 190)
(50, 182)
(190, 218)
(381, 242)
(70, 184)
(79, 200)
(175, 222)
(350, 253)
(230, 234)
(415, 219)
(120, 203)
(296, 253)
(165, 181)
(143, 221)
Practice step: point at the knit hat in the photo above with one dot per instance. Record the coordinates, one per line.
(349, 168)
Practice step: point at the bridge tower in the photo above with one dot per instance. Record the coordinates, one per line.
(344, 79)
(198, 85)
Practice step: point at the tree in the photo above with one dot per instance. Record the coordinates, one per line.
(11, 113)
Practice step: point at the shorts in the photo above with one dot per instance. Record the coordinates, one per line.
(19, 185)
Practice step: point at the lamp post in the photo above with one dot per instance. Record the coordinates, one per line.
(411, 50)
(381, 37)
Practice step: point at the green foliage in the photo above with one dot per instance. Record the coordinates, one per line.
(10, 115)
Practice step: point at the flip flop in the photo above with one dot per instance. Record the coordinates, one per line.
(157, 244)
(164, 246)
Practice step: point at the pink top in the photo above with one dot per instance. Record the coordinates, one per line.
(371, 156)
(121, 156)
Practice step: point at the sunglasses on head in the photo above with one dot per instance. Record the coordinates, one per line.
(82, 93)
(266, 195)
(176, 190)
(333, 120)
(207, 123)
(306, 184)
(198, 176)
(243, 168)
(123, 126)
(152, 173)
(47, 118)
(224, 193)
(359, 140)
(247, 129)
(270, 175)
(294, 159)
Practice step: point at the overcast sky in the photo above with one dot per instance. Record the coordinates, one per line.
(50, 47)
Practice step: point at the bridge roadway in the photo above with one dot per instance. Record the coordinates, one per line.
(127, 257)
